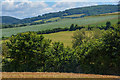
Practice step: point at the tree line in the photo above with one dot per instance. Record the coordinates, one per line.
(74, 27)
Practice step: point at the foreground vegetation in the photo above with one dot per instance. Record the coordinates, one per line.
(94, 51)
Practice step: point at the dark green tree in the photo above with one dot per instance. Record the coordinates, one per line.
(72, 27)
(101, 56)
(60, 59)
(118, 23)
(108, 25)
(26, 52)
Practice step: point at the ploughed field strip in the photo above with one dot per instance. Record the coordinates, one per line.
(53, 75)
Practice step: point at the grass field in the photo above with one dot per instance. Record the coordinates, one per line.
(52, 75)
(96, 20)
(53, 19)
(64, 37)
(38, 21)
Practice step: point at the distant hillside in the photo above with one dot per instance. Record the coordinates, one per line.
(84, 11)
(64, 23)
(9, 20)
(87, 11)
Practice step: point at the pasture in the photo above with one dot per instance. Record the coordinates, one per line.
(64, 37)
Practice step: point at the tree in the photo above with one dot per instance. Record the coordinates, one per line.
(72, 27)
(101, 56)
(78, 38)
(60, 59)
(76, 26)
(118, 23)
(83, 36)
(108, 25)
(26, 52)
(89, 27)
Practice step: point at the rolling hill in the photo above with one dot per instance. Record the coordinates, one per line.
(87, 11)
(81, 11)
(90, 20)
(8, 20)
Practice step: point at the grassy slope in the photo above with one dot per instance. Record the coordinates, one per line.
(63, 23)
(65, 37)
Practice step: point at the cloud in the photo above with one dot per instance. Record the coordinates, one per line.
(23, 9)
(63, 5)
(68, 5)
(64, 0)
(31, 8)
(87, 0)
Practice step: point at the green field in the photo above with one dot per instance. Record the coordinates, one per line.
(75, 15)
(92, 20)
(64, 37)
(51, 19)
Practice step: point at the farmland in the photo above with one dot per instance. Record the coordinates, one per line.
(75, 15)
(74, 43)
(53, 75)
(91, 20)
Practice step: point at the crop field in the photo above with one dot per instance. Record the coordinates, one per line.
(76, 15)
(53, 19)
(92, 20)
(53, 75)
(38, 21)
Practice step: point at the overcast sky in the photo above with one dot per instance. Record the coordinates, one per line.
(30, 8)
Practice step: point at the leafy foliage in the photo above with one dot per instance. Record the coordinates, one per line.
(101, 56)
(84, 35)
(26, 52)
(93, 53)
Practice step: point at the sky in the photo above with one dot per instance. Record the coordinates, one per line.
(31, 8)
